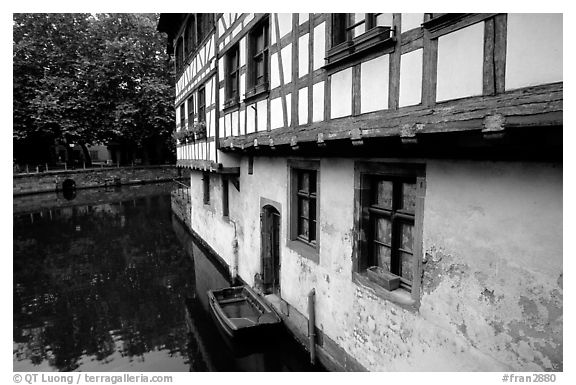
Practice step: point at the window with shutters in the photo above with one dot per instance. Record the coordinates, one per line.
(389, 208)
(304, 208)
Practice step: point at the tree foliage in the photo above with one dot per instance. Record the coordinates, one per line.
(92, 78)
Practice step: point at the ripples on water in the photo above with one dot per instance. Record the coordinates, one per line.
(106, 286)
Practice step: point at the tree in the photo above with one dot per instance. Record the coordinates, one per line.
(87, 79)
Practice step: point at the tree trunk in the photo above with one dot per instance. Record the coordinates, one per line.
(87, 159)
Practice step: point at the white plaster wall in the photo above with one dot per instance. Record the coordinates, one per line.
(221, 99)
(302, 18)
(341, 94)
(276, 115)
(221, 68)
(492, 285)
(285, 23)
(303, 106)
(234, 130)
(533, 49)
(318, 102)
(242, 49)
(460, 61)
(262, 107)
(411, 21)
(303, 42)
(242, 85)
(242, 128)
(319, 46)
(374, 80)
(250, 118)
(222, 127)
(274, 71)
(287, 63)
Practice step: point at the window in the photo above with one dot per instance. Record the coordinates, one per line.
(304, 210)
(206, 187)
(389, 205)
(225, 210)
(353, 33)
(190, 35)
(346, 26)
(201, 104)
(182, 117)
(258, 59)
(306, 205)
(232, 76)
(179, 54)
(190, 111)
(204, 22)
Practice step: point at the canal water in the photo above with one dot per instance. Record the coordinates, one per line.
(111, 280)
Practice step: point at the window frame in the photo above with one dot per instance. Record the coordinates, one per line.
(201, 104)
(345, 48)
(364, 175)
(182, 117)
(190, 105)
(307, 248)
(190, 36)
(225, 198)
(206, 188)
(232, 76)
(254, 87)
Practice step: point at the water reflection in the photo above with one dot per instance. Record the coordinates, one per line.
(121, 286)
(100, 287)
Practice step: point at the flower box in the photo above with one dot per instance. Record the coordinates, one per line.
(383, 278)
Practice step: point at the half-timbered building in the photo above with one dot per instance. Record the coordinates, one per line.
(407, 167)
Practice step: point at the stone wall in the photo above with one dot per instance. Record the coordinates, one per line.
(95, 177)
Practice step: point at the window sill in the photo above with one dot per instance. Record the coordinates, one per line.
(399, 296)
(230, 104)
(305, 250)
(377, 38)
(442, 21)
(256, 92)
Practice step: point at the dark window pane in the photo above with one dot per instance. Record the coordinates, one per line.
(406, 237)
(409, 197)
(338, 28)
(383, 230)
(383, 257)
(312, 209)
(303, 181)
(383, 196)
(260, 68)
(312, 231)
(312, 185)
(303, 207)
(406, 261)
(303, 228)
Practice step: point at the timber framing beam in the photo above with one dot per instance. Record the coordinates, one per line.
(538, 106)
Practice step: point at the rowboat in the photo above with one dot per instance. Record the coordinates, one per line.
(241, 313)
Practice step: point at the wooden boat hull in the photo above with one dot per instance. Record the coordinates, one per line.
(241, 313)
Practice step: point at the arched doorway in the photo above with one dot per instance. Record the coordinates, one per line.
(270, 252)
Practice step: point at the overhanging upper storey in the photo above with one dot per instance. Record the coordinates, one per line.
(315, 78)
(258, 82)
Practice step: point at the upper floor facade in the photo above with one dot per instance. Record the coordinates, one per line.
(262, 82)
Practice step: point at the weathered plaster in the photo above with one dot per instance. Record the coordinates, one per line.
(491, 297)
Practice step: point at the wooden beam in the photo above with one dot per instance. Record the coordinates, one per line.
(542, 103)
